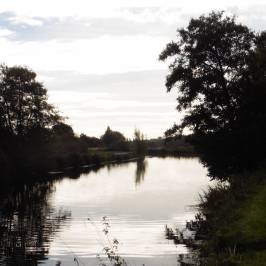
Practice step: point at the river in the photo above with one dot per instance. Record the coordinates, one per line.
(61, 222)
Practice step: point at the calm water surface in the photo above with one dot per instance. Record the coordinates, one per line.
(49, 223)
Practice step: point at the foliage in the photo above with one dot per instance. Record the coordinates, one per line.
(114, 140)
(140, 145)
(236, 222)
(209, 68)
(31, 130)
(63, 130)
(90, 142)
(219, 69)
(23, 101)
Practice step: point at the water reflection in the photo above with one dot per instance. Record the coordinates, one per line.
(27, 224)
(141, 167)
(35, 227)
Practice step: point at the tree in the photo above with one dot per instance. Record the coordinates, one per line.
(114, 140)
(140, 145)
(63, 130)
(23, 101)
(64, 141)
(220, 89)
(90, 142)
(209, 68)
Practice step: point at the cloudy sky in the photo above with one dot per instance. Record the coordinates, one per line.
(99, 59)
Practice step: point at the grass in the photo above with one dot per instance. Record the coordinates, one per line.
(236, 219)
(254, 259)
(92, 157)
(252, 216)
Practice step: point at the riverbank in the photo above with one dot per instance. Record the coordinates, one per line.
(55, 162)
(235, 222)
(72, 164)
(111, 160)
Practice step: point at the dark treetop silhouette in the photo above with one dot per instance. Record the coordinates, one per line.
(23, 101)
(219, 69)
(114, 140)
(25, 117)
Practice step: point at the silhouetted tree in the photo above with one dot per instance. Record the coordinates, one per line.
(63, 130)
(220, 86)
(114, 140)
(64, 141)
(25, 118)
(23, 101)
(90, 142)
(140, 145)
(209, 69)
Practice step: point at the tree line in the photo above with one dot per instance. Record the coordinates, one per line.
(33, 134)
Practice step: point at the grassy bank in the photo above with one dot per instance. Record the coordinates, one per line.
(35, 167)
(80, 161)
(64, 153)
(236, 223)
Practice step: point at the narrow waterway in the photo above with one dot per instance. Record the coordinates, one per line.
(64, 222)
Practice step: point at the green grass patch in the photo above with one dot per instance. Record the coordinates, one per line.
(236, 219)
(251, 222)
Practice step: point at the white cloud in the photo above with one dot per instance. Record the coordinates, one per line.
(5, 32)
(104, 101)
(102, 55)
(90, 112)
(25, 20)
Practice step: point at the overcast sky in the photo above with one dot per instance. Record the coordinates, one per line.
(99, 59)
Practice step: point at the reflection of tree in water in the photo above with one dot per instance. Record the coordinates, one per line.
(27, 224)
(140, 170)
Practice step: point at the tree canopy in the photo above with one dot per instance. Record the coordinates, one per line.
(63, 130)
(209, 68)
(218, 69)
(23, 101)
(114, 140)
(90, 142)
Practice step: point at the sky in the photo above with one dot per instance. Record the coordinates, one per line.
(99, 59)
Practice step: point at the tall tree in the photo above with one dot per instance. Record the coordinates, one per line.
(140, 145)
(220, 87)
(209, 68)
(23, 101)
